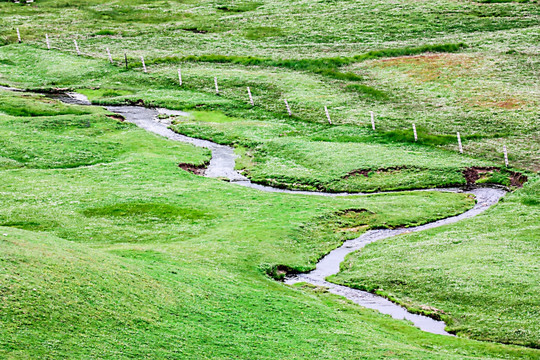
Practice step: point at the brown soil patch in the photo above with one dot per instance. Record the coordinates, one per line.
(365, 172)
(518, 179)
(431, 67)
(58, 90)
(116, 117)
(353, 211)
(138, 102)
(473, 174)
(195, 30)
(194, 169)
(357, 172)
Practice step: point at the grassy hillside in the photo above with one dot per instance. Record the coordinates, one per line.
(132, 257)
(302, 151)
(112, 251)
(271, 28)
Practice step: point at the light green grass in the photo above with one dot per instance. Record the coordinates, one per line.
(298, 152)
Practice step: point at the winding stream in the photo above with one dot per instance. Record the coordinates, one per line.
(222, 165)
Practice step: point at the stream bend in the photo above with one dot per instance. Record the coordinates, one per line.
(222, 165)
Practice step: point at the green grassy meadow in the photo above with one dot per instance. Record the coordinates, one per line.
(110, 250)
(132, 257)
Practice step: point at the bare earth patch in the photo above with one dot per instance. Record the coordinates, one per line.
(194, 169)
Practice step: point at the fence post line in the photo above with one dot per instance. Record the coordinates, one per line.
(143, 64)
(180, 76)
(126, 60)
(77, 47)
(327, 115)
(414, 131)
(372, 120)
(19, 36)
(47, 41)
(505, 156)
(216, 85)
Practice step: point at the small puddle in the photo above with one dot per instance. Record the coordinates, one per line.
(222, 165)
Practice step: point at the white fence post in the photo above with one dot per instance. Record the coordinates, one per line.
(143, 64)
(414, 131)
(459, 143)
(250, 97)
(288, 108)
(109, 55)
(47, 41)
(215, 83)
(372, 120)
(180, 77)
(19, 35)
(77, 47)
(327, 115)
(505, 156)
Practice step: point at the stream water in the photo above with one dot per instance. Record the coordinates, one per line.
(222, 165)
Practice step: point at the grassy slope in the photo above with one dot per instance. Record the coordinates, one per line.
(135, 258)
(488, 91)
(299, 28)
(276, 143)
(495, 106)
(482, 276)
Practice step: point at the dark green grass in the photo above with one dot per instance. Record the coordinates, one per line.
(147, 211)
(322, 66)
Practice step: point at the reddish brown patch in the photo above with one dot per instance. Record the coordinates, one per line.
(510, 103)
(473, 174)
(365, 172)
(194, 169)
(430, 67)
(518, 179)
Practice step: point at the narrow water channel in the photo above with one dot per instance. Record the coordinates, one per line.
(222, 165)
